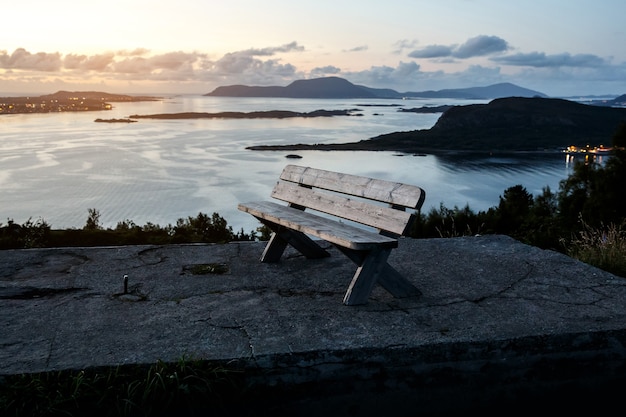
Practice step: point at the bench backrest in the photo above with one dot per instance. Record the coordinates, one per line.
(299, 186)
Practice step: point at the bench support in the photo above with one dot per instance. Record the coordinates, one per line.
(282, 237)
(372, 266)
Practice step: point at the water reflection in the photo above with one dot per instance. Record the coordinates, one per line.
(572, 158)
(58, 166)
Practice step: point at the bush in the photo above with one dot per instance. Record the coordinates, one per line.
(199, 229)
(31, 234)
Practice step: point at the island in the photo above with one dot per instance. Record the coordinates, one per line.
(336, 87)
(269, 114)
(503, 125)
(67, 101)
(427, 109)
(115, 121)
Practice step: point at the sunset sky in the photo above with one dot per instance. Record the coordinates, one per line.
(557, 47)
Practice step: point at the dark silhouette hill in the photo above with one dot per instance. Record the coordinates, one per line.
(507, 124)
(328, 87)
(489, 92)
(335, 87)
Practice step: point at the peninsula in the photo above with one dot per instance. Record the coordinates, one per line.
(503, 125)
(66, 101)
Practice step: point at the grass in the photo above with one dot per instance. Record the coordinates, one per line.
(182, 388)
(603, 247)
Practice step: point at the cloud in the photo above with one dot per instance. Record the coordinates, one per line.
(174, 60)
(138, 70)
(241, 68)
(138, 64)
(134, 52)
(403, 44)
(270, 51)
(481, 46)
(401, 76)
(21, 59)
(357, 49)
(234, 63)
(541, 60)
(432, 51)
(125, 64)
(99, 62)
(324, 71)
(474, 47)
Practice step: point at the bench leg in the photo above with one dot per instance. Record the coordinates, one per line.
(366, 276)
(388, 278)
(396, 284)
(283, 237)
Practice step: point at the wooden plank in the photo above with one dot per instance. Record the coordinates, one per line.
(379, 217)
(393, 193)
(341, 234)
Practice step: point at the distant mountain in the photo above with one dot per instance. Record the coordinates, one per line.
(335, 87)
(506, 124)
(329, 87)
(616, 102)
(490, 92)
(619, 101)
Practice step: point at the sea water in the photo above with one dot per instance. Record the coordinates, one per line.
(56, 167)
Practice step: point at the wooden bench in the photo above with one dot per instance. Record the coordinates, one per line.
(381, 205)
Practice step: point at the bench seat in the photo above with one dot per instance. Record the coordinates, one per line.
(342, 234)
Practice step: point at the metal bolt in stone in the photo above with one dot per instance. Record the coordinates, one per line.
(125, 284)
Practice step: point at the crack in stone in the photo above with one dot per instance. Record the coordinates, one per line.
(512, 285)
(30, 293)
(249, 337)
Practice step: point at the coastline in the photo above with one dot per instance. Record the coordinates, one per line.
(358, 146)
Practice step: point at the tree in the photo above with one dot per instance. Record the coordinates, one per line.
(202, 228)
(594, 192)
(513, 209)
(542, 227)
(575, 192)
(93, 220)
(618, 140)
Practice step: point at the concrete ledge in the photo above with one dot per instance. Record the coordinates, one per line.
(498, 321)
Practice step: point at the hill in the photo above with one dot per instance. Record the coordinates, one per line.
(328, 87)
(507, 124)
(616, 102)
(489, 92)
(335, 87)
